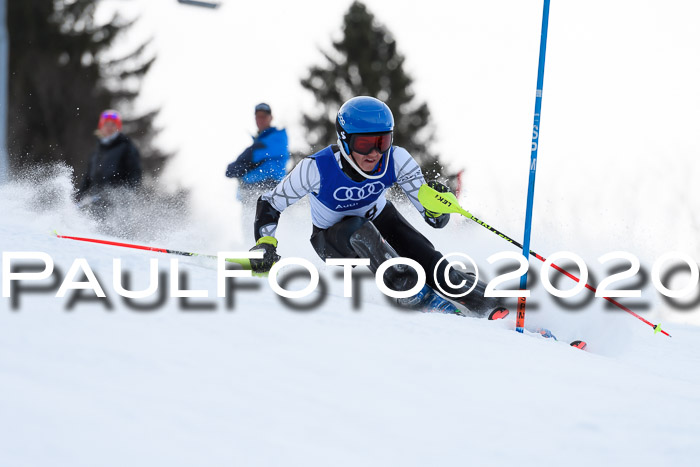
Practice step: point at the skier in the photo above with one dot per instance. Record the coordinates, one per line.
(352, 218)
(263, 164)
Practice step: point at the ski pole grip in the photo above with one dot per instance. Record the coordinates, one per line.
(268, 240)
(442, 202)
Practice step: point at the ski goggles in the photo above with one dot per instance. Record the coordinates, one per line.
(365, 144)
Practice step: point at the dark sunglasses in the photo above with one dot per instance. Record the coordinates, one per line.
(365, 144)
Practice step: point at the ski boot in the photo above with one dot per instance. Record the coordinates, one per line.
(475, 301)
(427, 301)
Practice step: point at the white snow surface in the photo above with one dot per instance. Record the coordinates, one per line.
(264, 385)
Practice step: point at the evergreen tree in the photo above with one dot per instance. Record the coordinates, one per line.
(365, 61)
(60, 81)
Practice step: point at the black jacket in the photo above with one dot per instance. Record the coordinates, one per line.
(114, 164)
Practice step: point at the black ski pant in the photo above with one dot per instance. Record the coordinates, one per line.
(356, 236)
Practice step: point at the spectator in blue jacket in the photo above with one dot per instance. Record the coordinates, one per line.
(263, 164)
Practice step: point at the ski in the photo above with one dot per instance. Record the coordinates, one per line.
(579, 344)
(498, 313)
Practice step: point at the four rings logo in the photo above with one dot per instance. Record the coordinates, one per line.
(345, 193)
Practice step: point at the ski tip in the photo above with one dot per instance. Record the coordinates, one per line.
(579, 344)
(55, 232)
(498, 313)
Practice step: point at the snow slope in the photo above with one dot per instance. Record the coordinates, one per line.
(261, 384)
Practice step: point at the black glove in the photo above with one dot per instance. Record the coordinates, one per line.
(435, 219)
(268, 245)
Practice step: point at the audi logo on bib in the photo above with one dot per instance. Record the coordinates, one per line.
(345, 193)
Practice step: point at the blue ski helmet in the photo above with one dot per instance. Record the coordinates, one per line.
(362, 115)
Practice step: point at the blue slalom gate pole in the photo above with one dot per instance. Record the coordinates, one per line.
(520, 318)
